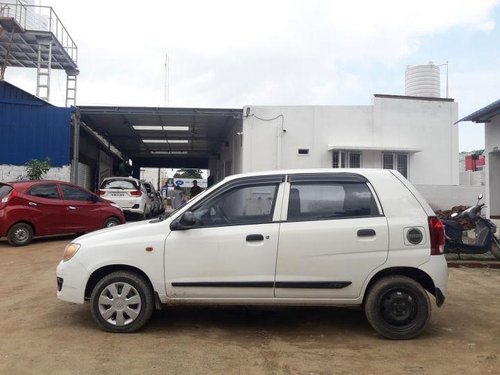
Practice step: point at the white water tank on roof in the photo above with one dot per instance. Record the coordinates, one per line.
(423, 80)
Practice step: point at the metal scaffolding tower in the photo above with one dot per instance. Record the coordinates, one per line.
(33, 37)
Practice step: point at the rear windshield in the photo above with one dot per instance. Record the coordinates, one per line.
(4, 190)
(119, 184)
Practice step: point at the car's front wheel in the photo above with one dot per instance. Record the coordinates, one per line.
(398, 307)
(20, 234)
(122, 302)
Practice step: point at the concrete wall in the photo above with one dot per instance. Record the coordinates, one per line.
(442, 197)
(476, 178)
(492, 152)
(230, 156)
(273, 135)
(424, 125)
(14, 172)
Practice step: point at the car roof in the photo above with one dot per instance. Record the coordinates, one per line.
(33, 182)
(122, 178)
(360, 171)
(22, 185)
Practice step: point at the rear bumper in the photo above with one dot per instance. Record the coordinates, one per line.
(437, 269)
(440, 298)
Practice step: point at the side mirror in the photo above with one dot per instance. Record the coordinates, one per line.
(186, 221)
(94, 198)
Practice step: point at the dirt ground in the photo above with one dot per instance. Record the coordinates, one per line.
(40, 334)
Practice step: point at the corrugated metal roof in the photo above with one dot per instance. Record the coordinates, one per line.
(484, 114)
(163, 137)
(10, 94)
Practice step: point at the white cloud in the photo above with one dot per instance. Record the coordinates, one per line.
(230, 53)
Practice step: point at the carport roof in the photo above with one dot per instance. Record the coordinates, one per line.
(484, 114)
(163, 137)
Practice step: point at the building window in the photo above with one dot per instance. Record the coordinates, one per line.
(346, 159)
(397, 161)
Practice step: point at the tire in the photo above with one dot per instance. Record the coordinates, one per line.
(20, 234)
(122, 302)
(495, 249)
(111, 222)
(398, 307)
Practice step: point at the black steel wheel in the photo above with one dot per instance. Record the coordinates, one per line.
(122, 302)
(398, 307)
(20, 234)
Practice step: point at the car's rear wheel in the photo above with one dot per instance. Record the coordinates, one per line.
(20, 234)
(111, 222)
(122, 302)
(398, 307)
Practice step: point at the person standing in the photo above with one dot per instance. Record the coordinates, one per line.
(195, 190)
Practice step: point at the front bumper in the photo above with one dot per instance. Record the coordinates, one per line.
(72, 279)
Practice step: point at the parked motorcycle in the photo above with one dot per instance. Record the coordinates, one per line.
(484, 229)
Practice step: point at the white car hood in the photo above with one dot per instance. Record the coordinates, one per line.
(140, 228)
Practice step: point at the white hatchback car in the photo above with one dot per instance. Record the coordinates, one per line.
(361, 237)
(128, 193)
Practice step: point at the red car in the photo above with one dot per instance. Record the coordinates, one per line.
(40, 208)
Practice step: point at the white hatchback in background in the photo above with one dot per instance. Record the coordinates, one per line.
(352, 237)
(128, 193)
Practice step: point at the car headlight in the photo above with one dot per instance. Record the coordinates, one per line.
(70, 250)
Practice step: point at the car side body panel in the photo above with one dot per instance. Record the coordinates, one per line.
(338, 255)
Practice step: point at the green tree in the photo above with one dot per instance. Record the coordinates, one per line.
(35, 169)
(188, 173)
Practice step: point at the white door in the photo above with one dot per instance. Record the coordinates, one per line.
(230, 252)
(333, 238)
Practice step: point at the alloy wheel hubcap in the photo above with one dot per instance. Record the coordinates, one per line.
(119, 304)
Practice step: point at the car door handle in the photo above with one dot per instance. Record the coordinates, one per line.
(366, 233)
(32, 204)
(255, 237)
(71, 208)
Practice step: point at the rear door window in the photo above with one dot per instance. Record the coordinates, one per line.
(72, 193)
(120, 184)
(4, 190)
(48, 191)
(329, 200)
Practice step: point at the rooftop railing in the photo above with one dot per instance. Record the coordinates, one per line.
(40, 18)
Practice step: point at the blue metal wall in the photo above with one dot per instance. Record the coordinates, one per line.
(31, 128)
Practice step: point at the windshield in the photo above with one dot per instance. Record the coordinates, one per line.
(119, 184)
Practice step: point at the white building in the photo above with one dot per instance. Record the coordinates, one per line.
(490, 116)
(414, 135)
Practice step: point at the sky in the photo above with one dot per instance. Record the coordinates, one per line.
(227, 54)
